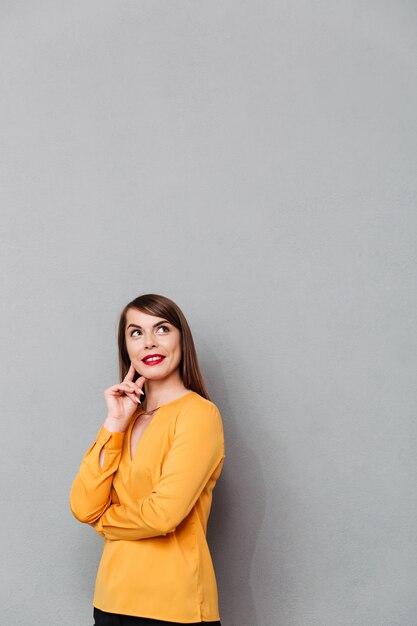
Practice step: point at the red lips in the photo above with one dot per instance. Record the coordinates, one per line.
(157, 361)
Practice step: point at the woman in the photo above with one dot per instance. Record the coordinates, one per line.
(146, 483)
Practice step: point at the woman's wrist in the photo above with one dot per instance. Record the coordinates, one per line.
(113, 425)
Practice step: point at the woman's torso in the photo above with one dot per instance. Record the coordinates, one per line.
(171, 576)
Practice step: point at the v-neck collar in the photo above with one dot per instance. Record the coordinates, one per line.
(133, 422)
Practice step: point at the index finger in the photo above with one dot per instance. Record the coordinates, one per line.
(130, 374)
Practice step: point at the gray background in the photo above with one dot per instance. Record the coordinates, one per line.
(256, 162)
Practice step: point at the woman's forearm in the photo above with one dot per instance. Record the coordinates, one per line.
(90, 492)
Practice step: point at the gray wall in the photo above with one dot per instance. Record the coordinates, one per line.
(256, 162)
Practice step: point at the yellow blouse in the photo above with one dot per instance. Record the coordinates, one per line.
(152, 511)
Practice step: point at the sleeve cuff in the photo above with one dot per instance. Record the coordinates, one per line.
(110, 440)
(98, 527)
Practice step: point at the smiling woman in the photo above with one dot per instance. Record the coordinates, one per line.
(151, 342)
(146, 482)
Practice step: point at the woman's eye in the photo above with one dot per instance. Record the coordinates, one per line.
(138, 331)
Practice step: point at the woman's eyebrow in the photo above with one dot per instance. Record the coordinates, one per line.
(154, 326)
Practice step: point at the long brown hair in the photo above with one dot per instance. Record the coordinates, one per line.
(161, 306)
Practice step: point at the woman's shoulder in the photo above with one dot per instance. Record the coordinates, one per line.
(196, 400)
(200, 408)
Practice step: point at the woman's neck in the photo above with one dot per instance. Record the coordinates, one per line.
(158, 394)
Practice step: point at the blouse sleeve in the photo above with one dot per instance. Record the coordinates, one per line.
(196, 454)
(90, 491)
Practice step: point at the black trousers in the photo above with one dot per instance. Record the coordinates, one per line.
(102, 618)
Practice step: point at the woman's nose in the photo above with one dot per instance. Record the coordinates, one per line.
(150, 340)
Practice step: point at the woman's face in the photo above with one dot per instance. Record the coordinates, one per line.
(147, 335)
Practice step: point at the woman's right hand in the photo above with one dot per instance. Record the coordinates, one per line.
(122, 401)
